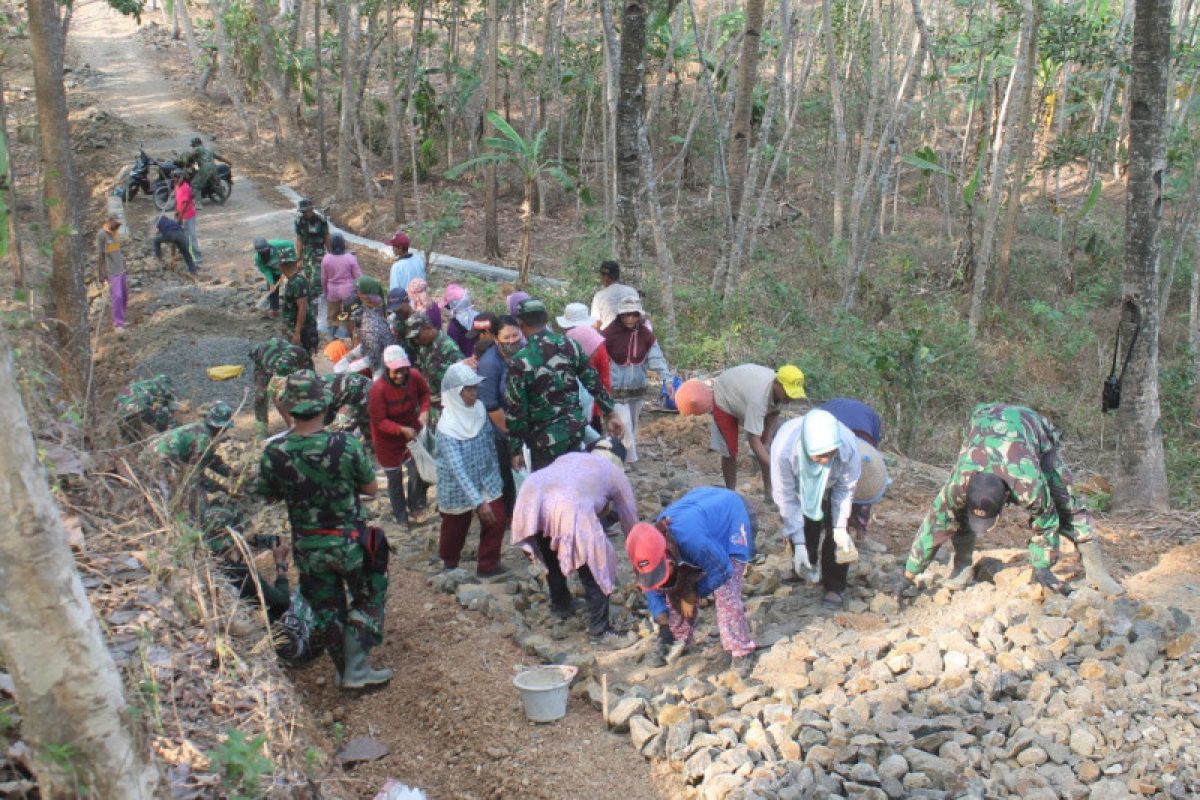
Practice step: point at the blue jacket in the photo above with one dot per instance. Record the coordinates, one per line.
(712, 527)
(857, 416)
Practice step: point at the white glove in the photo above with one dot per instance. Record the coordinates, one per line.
(846, 552)
(800, 563)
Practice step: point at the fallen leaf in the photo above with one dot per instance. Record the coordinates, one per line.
(361, 749)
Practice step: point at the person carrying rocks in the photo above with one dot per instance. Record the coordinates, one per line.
(432, 353)
(147, 402)
(816, 465)
(542, 392)
(698, 547)
(266, 261)
(185, 454)
(299, 322)
(750, 396)
(867, 427)
(398, 407)
(341, 561)
(273, 360)
(168, 231)
(1010, 455)
(468, 477)
(558, 519)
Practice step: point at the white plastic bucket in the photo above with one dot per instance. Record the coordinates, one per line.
(544, 691)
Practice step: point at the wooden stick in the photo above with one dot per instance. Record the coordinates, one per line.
(604, 697)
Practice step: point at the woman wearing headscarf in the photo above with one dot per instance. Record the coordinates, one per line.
(557, 519)
(468, 476)
(514, 299)
(457, 301)
(398, 407)
(422, 302)
(632, 348)
(339, 271)
(815, 467)
(581, 326)
(375, 334)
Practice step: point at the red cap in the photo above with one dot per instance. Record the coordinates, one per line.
(399, 239)
(647, 549)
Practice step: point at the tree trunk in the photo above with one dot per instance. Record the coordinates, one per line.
(841, 143)
(630, 104)
(1001, 147)
(15, 255)
(394, 138)
(67, 302)
(526, 233)
(67, 686)
(184, 18)
(410, 80)
(319, 84)
(1194, 336)
(1141, 467)
(347, 17)
(228, 81)
(273, 77)
(1024, 148)
(491, 223)
(743, 104)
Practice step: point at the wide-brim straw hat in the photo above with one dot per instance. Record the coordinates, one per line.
(874, 480)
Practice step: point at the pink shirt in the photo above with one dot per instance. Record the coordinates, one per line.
(185, 202)
(338, 274)
(564, 501)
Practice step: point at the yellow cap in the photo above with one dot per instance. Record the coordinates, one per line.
(792, 380)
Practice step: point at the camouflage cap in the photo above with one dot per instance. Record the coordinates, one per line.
(416, 322)
(368, 286)
(305, 393)
(220, 415)
(531, 306)
(305, 205)
(286, 253)
(291, 359)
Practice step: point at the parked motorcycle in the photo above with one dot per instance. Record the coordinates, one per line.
(218, 189)
(149, 176)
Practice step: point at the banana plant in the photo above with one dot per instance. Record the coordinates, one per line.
(530, 159)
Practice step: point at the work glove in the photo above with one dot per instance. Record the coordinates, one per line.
(845, 551)
(801, 565)
(906, 589)
(1051, 581)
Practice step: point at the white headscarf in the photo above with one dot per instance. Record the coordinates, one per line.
(818, 434)
(458, 420)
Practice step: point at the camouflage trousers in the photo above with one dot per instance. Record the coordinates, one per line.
(342, 591)
(312, 266)
(1075, 522)
(203, 176)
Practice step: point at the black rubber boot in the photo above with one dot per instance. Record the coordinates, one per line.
(961, 570)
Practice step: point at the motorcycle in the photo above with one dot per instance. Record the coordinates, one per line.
(142, 178)
(218, 189)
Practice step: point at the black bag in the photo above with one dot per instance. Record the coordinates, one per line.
(375, 548)
(1110, 396)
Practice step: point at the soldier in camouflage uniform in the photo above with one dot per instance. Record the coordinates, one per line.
(1010, 455)
(299, 311)
(320, 474)
(432, 353)
(183, 455)
(312, 239)
(542, 391)
(147, 402)
(347, 410)
(205, 159)
(273, 361)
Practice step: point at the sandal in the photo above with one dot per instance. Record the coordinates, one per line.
(833, 600)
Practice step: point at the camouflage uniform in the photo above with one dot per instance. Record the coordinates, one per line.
(215, 525)
(312, 234)
(206, 166)
(348, 409)
(299, 288)
(1021, 447)
(151, 401)
(275, 358)
(542, 396)
(432, 361)
(318, 476)
(185, 454)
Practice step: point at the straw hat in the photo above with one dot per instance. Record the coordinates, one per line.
(874, 480)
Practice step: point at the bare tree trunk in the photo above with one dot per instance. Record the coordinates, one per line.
(228, 81)
(67, 302)
(410, 80)
(1194, 335)
(1001, 147)
(632, 68)
(184, 18)
(347, 19)
(273, 77)
(1141, 467)
(319, 85)
(15, 254)
(841, 143)
(491, 223)
(1024, 148)
(743, 103)
(394, 138)
(67, 686)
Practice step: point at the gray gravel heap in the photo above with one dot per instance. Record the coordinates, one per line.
(187, 360)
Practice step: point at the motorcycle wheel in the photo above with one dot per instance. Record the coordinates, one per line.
(221, 189)
(162, 197)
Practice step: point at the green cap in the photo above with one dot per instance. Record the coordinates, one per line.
(304, 393)
(366, 285)
(290, 359)
(530, 306)
(416, 322)
(286, 253)
(219, 416)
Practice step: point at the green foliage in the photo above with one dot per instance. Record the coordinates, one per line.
(241, 764)
(130, 8)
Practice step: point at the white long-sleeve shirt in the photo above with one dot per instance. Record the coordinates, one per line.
(787, 470)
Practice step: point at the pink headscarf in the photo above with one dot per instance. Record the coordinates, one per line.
(588, 337)
(454, 292)
(418, 294)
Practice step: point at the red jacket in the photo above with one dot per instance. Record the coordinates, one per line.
(392, 407)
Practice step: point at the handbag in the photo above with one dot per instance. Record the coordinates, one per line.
(422, 449)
